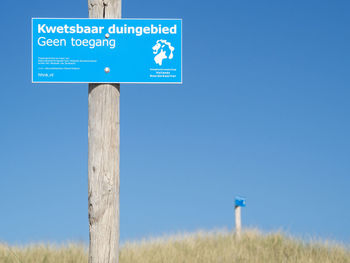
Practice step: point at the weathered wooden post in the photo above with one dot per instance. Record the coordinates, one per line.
(104, 155)
(239, 202)
(83, 54)
(238, 220)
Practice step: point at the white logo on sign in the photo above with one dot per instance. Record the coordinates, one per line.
(163, 49)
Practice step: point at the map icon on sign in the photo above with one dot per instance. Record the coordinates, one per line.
(162, 50)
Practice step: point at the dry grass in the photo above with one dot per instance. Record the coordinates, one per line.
(218, 247)
(71, 253)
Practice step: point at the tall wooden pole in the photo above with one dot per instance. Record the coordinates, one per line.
(238, 220)
(103, 160)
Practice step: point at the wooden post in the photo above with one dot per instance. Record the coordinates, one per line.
(103, 160)
(238, 220)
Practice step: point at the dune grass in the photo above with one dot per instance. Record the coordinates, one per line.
(40, 253)
(201, 247)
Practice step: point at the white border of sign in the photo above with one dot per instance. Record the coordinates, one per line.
(31, 42)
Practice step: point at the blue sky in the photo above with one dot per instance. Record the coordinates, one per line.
(263, 112)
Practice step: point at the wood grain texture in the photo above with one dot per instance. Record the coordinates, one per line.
(104, 155)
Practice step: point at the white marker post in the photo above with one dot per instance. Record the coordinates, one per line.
(239, 202)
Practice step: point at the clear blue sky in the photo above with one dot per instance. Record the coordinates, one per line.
(263, 112)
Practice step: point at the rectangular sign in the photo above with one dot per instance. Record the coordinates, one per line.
(240, 201)
(107, 50)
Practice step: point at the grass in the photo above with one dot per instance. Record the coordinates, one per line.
(201, 247)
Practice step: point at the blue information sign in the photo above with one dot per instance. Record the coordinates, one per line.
(240, 201)
(107, 50)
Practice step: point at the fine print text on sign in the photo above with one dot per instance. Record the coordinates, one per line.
(107, 50)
